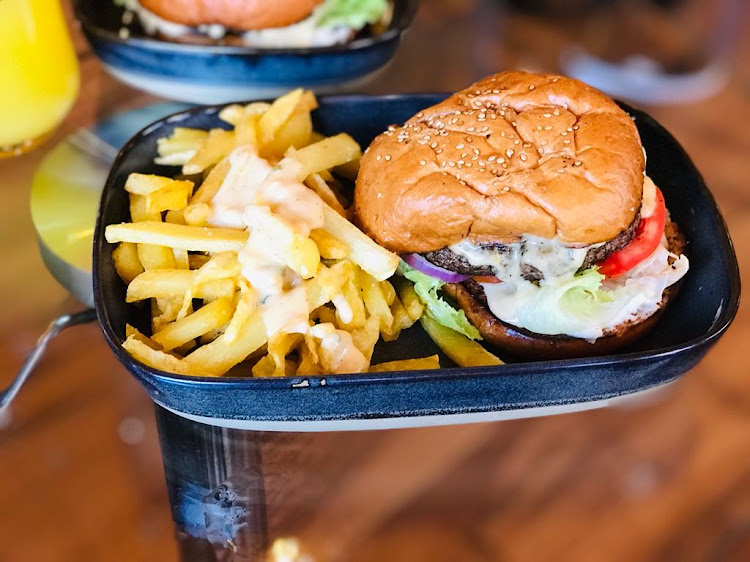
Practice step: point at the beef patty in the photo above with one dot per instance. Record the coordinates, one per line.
(448, 259)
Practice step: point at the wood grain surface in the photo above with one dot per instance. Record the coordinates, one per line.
(80, 469)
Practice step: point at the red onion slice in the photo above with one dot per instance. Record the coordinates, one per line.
(419, 262)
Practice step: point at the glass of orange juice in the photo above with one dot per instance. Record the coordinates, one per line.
(38, 72)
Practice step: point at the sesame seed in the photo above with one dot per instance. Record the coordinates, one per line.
(378, 157)
(422, 162)
(577, 163)
(459, 146)
(556, 112)
(438, 151)
(433, 145)
(523, 157)
(516, 141)
(461, 162)
(543, 143)
(506, 189)
(575, 127)
(452, 164)
(547, 114)
(566, 141)
(531, 86)
(380, 195)
(501, 160)
(502, 133)
(538, 127)
(387, 157)
(470, 129)
(560, 170)
(548, 128)
(509, 152)
(464, 154)
(469, 139)
(419, 115)
(468, 164)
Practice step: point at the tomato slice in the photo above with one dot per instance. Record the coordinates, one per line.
(647, 238)
(486, 279)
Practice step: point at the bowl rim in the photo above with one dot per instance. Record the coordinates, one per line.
(720, 324)
(399, 24)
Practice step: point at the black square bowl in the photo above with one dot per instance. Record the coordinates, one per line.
(703, 310)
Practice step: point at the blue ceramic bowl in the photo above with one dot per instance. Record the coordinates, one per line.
(702, 311)
(219, 74)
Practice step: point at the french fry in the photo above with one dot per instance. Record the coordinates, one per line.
(126, 261)
(294, 133)
(366, 337)
(223, 265)
(156, 257)
(278, 114)
(212, 183)
(401, 321)
(375, 301)
(175, 283)
(190, 238)
(246, 130)
(172, 198)
(219, 356)
(350, 310)
(297, 252)
(328, 246)
(279, 346)
(422, 364)
(363, 251)
(197, 214)
(325, 154)
(147, 184)
(245, 308)
(164, 310)
(234, 113)
(388, 292)
(209, 317)
(324, 314)
(147, 353)
(218, 144)
(308, 364)
(180, 146)
(264, 367)
(181, 259)
(139, 212)
(462, 351)
(409, 297)
(324, 191)
(175, 217)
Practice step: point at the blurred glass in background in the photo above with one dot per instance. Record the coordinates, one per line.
(38, 71)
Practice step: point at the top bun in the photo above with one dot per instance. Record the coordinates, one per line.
(235, 14)
(514, 154)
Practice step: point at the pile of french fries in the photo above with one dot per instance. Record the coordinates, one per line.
(206, 318)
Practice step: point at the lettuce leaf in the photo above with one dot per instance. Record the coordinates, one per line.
(350, 13)
(427, 289)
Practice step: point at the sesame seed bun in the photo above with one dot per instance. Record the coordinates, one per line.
(514, 154)
(240, 15)
(469, 296)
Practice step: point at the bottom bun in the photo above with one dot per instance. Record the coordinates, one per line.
(522, 343)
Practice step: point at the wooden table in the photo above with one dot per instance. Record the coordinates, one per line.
(80, 469)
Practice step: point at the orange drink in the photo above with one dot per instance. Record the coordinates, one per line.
(38, 72)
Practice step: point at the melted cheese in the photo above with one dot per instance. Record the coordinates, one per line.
(550, 257)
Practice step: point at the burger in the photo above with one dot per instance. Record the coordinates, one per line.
(524, 216)
(255, 23)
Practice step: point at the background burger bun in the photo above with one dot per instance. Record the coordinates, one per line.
(514, 154)
(235, 14)
(524, 344)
